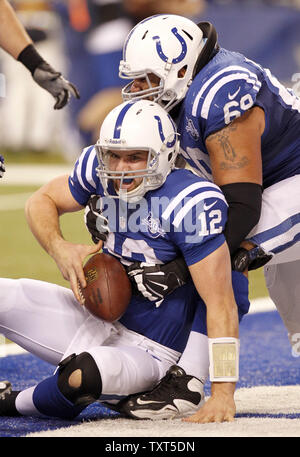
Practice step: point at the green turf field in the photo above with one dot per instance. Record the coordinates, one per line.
(22, 256)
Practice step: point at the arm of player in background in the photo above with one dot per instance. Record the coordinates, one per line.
(212, 278)
(43, 210)
(13, 36)
(15, 40)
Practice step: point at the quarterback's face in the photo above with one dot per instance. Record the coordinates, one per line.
(127, 161)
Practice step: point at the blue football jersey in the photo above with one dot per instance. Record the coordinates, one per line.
(223, 90)
(185, 216)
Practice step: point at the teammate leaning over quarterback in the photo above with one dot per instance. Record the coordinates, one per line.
(15, 40)
(240, 127)
(155, 210)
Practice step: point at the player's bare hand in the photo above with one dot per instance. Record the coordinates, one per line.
(69, 258)
(215, 409)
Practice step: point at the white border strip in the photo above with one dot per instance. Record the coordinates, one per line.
(262, 305)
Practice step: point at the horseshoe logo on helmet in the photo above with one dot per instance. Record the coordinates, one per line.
(170, 144)
(181, 41)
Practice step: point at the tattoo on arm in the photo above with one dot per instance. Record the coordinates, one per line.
(231, 160)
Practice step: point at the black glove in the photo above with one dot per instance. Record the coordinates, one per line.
(254, 258)
(155, 282)
(46, 77)
(2, 167)
(53, 82)
(96, 224)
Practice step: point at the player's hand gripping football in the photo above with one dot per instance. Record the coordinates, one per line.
(52, 81)
(69, 258)
(155, 282)
(95, 222)
(2, 167)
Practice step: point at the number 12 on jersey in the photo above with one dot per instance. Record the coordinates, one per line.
(210, 222)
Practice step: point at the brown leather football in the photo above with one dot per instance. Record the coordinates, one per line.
(108, 291)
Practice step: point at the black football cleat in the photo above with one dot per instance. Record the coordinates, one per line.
(5, 389)
(7, 400)
(177, 395)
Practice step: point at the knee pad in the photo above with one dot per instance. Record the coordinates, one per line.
(79, 379)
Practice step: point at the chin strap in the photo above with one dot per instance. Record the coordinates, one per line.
(210, 48)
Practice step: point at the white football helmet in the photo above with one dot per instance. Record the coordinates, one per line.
(140, 125)
(163, 45)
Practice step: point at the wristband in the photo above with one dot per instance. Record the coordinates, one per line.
(223, 359)
(30, 58)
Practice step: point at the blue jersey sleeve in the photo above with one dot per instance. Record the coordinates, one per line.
(84, 182)
(197, 221)
(226, 97)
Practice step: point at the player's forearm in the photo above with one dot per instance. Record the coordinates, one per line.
(222, 321)
(222, 316)
(213, 279)
(223, 334)
(215, 288)
(43, 219)
(13, 36)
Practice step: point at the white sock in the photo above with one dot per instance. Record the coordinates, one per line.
(194, 359)
(24, 403)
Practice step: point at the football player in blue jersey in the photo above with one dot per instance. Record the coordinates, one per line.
(15, 40)
(239, 126)
(156, 213)
(2, 166)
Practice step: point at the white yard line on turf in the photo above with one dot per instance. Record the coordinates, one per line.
(12, 202)
(27, 175)
(31, 174)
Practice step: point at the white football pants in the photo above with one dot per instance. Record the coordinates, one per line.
(47, 321)
(278, 232)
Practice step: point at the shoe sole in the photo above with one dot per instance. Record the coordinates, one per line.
(162, 414)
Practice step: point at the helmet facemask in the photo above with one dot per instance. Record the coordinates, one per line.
(167, 98)
(152, 176)
(152, 93)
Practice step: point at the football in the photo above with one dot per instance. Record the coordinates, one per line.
(108, 290)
